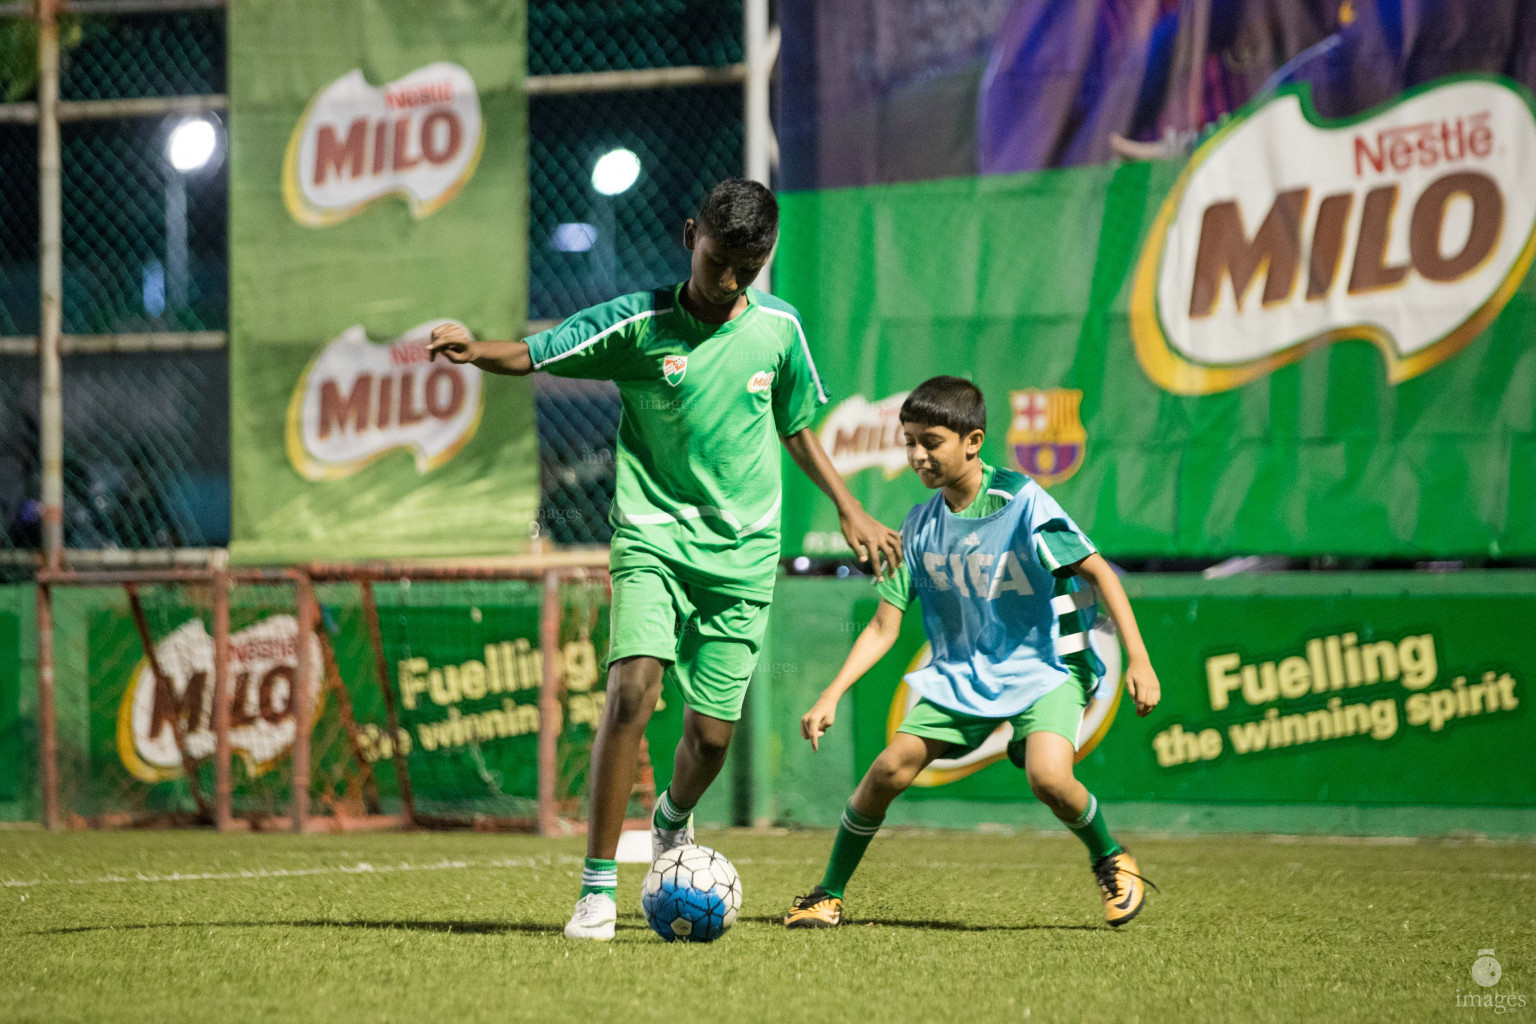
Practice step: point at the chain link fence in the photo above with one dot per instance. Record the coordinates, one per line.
(20, 525)
(172, 53)
(145, 459)
(571, 37)
(145, 255)
(585, 247)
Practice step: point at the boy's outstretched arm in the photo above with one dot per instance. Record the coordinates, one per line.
(869, 538)
(1140, 680)
(872, 645)
(453, 343)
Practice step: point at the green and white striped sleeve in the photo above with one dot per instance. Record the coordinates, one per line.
(1061, 545)
(599, 342)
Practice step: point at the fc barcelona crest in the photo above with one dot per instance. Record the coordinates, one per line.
(1046, 435)
(673, 368)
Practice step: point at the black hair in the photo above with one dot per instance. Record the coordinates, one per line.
(952, 402)
(741, 215)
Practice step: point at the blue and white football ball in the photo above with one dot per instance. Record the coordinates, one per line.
(692, 893)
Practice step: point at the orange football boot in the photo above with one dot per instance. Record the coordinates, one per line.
(816, 909)
(1122, 886)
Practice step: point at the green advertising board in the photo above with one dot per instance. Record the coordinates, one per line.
(1303, 339)
(465, 667)
(378, 187)
(1289, 702)
(12, 742)
(1387, 703)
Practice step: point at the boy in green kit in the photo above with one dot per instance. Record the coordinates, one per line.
(711, 374)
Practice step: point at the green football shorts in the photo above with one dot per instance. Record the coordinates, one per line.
(1060, 712)
(712, 639)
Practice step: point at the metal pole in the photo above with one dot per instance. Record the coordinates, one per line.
(47, 726)
(300, 703)
(397, 738)
(758, 124)
(175, 245)
(759, 127)
(335, 686)
(223, 813)
(163, 684)
(607, 245)
(51, 276)
(549, 704)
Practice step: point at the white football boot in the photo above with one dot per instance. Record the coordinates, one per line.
(593, 918)
(665, 839)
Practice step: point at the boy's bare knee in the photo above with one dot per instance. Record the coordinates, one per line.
(706, 735)
(710, 738)
(892, 774)
(630, 695)
(1052, 789)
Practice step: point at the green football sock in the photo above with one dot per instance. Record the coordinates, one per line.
(599, 876)
(853, 836)
(1090, 828)
(668, 815)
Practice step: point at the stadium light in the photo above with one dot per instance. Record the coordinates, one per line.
(192, 144)
(615, 172)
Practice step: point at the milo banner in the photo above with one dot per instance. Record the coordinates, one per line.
(465, 664)
(1312, 335)
(1305, 691)
(378, 188)
(1295, 693)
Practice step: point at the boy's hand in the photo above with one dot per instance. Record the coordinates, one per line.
(815, 722)
(453, 343)
(1141, 682)
(872, 541)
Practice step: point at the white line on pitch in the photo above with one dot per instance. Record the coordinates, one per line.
(361, 868)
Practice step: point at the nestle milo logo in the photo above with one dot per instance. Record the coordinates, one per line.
(859, 434)
(263, 675)
(418, 137)
(1408, 228)
(358, 400)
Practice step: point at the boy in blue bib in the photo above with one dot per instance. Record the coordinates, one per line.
(1006, 582)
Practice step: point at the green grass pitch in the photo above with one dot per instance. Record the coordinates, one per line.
(193, 926)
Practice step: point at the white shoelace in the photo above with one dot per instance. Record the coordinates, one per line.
(594, 908)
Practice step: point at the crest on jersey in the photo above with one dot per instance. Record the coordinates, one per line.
(673, 368)
(1046, 435)
(761, 381)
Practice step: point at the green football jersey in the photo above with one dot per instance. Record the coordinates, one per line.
(703, 407)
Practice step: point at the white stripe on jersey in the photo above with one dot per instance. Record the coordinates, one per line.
(805, 347)
(1066, 604)
(699, 511)
(600, 335)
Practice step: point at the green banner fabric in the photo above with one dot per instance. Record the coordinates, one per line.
(1311, 337)
(13, 739)
(378, 187)
(1375, 691)
(465, 669)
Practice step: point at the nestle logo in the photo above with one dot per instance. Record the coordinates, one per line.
(1408, 229)
(408, 353)
(1424, 145)
(358, 400)
(419, 95)
(417, 137)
